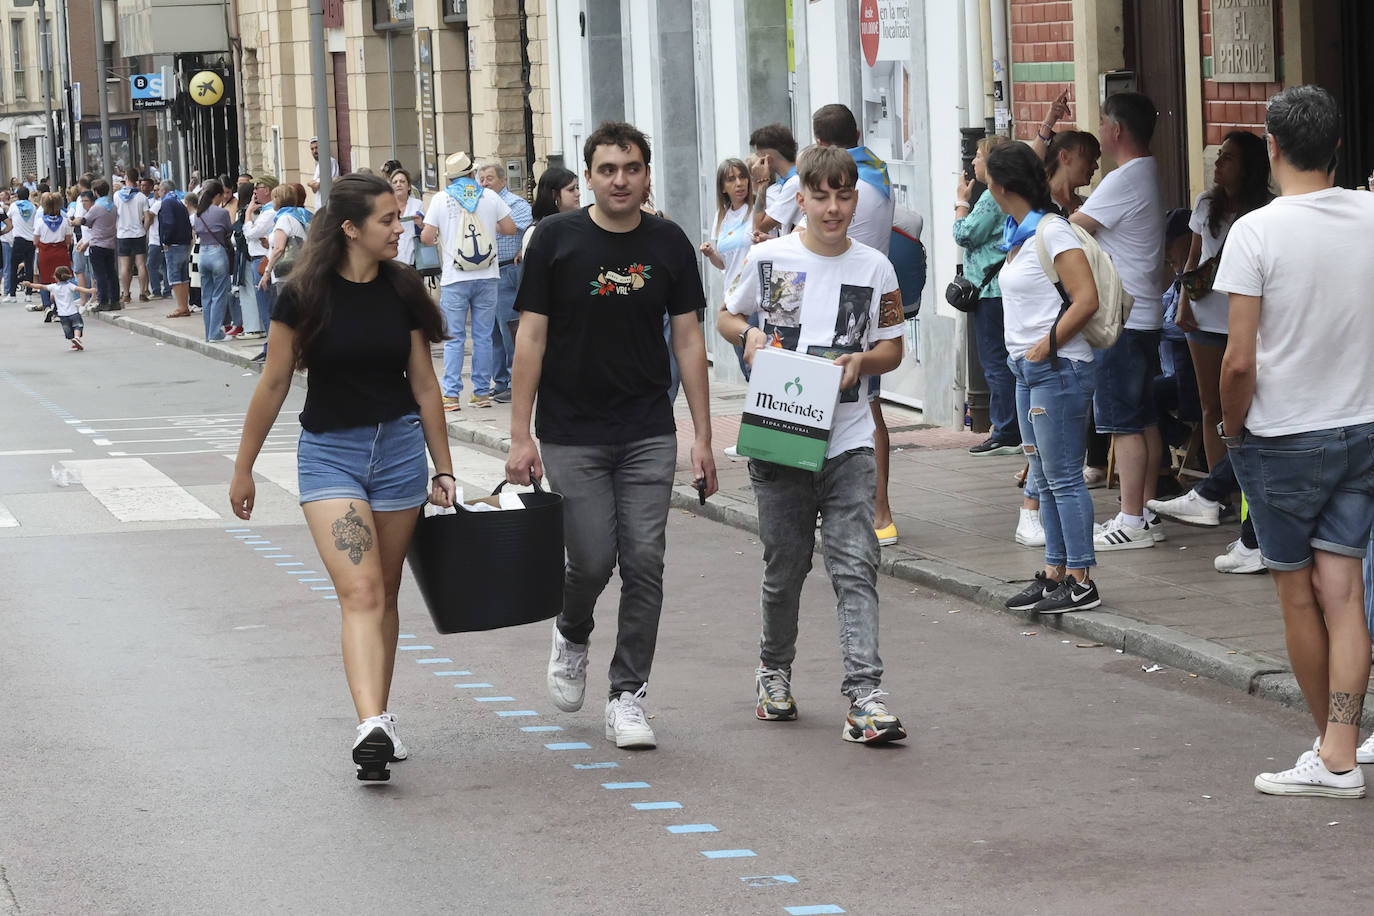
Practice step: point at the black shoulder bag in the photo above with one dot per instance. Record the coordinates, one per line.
(964, 295)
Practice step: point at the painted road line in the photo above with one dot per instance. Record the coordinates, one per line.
(325, 588)
(406, 636)
(768, 880)
(510, 713)
(132, 490)
(175, 416)
(453, 673)
(308, 572)
(656, 806)
(613, 786)
(98, 441)
(416, 648)
(35, 451)
(279, 468)
(7, 519)
(85, 431)
(813, 910)
(433, 661)
(595, 766)
(236, 530)
(693, 828)
(304, 572)
(263, 548)
(491, 699)
(728, 853)
(475, 687)
(330, 597)
(277, 556)
(541, 728)
(569, 746)
(292, 563)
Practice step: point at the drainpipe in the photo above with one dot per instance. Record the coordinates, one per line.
(985, 47)
(1001, 68)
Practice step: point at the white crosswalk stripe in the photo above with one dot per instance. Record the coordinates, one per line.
(7, 519)
(278, 467)
(135, 491)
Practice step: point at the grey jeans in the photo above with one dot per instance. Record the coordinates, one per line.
(615, 509)
(788, 500)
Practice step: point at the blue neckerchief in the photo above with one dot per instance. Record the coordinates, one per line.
(872, 169)
(739, 234)
(125, 194)
(790, 172)
(467, 192)
(106, 203)
(54, 223)
(1014, 235)
(25, 209)
(302, 215)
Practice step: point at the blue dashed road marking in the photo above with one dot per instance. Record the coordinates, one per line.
(768, 880)
(508, 713)
(541, 728)
(453, 673)
(415, 648)
(813, 910)
(434, 661)
(656, 806)
(569, 746)
(406, 636)
(307, 572)
(474, 687)
(693, 828)
(262, 548)
(728, 853)
(276, 556)
(291, 563)
(624, 785)
(327, 588)
(593, 766)
(487, 699)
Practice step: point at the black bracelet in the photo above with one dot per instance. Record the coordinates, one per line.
(441, 474)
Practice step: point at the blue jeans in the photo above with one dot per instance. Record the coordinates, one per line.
(1308, 491)
(1052, 405)
(157, 272)
(262, 296)
(992, 353)
(503, 337)
(456, 300)
(22, 256)
(1369, 584)
(842, 491)
(9, 250)
(214, 289)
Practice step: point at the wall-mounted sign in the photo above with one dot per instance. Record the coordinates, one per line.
(145, 91)
(1243, 41)
(206, 88)
(425, 110)
(885, 30)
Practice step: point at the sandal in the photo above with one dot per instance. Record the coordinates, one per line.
(178, 314)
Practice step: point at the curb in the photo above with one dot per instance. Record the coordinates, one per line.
(1257, 675)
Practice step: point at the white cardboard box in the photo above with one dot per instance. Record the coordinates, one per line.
(790, 408)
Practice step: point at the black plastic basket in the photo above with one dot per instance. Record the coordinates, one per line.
(487, 570)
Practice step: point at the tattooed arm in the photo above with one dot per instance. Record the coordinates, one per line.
(425, 388)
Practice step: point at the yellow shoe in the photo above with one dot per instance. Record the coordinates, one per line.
(886, 536)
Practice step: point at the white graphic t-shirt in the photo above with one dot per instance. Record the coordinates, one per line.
(733, 240)
(443, 212)
(824, 306)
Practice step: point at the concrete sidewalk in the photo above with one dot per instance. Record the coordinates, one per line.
(957, 514)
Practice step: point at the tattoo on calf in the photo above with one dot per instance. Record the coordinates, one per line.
(352, 534)
(1345, 708)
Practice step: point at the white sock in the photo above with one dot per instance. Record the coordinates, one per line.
(1150, 517)
(1132, 521)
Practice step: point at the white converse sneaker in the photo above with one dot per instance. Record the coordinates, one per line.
(398, 750)
(567, 677)
(1115, 534)
(1190, 508)
(1239, 559)
(625, 722)
(374, 748)
(1365, 752)
(1029, 531)
(1311, 777)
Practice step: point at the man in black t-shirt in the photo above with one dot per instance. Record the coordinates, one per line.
(597, 283)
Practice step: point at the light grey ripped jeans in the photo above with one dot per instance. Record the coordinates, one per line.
(615, 510)
(788, 500)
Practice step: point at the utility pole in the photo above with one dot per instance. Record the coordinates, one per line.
(317, 64)
(102, 92)
(46, 72)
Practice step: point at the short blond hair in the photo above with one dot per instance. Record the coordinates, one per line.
(991, 142)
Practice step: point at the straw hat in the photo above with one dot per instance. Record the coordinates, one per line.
(457, 165)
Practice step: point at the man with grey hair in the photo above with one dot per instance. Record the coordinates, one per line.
(1297, 403)
(492, 176)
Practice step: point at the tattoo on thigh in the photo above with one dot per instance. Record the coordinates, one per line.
(352, 534)
(1345, 708)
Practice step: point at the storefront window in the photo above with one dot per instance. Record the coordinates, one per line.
(456, 11)
(392, 14)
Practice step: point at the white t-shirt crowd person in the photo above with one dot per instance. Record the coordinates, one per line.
(1128, 205)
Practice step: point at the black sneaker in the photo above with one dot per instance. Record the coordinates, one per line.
(1037, 591)
(992, 446)
(1071, 595)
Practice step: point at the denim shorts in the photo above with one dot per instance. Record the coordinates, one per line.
(1207, 338)
(130, 247)
(382, 464)
(78, 261)
(1123, 402)
(178, 260)
(71, 324)
(1312, 490)
(875, 387)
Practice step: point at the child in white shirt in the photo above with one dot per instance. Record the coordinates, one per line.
(65, 301)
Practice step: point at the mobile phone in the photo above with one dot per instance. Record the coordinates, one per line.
(700, 484)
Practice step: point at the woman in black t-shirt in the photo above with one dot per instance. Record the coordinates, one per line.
(362, 324)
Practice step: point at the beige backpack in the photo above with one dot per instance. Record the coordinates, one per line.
(1113, 302)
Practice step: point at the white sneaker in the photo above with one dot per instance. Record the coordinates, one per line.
(1311, 777)
(567, 677)
(625, 722)
(733, 453)
(1365, 752)
(1239, 559)
(1115, 534)
(373, 749)
(1029, 531)
(398, 750)
(1156, 529)
(1095, 478)
(1190, 508)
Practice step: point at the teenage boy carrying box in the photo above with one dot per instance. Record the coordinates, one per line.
(822, 293)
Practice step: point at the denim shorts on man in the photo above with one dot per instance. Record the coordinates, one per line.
(383, 464)
(178, 260)
(1123, 403)
(1309, 491)
(135, 246)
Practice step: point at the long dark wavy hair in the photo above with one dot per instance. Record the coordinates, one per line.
(351, 199)
(1254, 181)
(1018, 170)
(551, 184)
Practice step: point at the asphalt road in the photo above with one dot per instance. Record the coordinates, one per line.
(177, 727)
